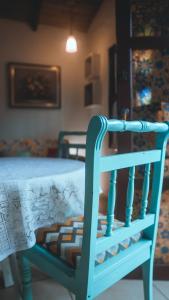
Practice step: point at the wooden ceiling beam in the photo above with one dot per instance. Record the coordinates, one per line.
(35, 14)
(51, 12)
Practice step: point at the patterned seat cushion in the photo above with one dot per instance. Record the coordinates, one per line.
(65, 240)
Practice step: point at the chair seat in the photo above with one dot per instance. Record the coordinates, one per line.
(65, 240)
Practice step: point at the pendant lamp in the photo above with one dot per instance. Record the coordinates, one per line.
(71, 43)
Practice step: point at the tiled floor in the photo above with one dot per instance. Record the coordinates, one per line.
(127, 289)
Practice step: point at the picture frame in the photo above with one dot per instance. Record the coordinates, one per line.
(92, 66)
(34, 85)
(92, 93)
(88, 94)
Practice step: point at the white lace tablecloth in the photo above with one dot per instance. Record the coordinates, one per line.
(36, 192)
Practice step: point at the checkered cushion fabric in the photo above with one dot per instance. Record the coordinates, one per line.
(65, 240)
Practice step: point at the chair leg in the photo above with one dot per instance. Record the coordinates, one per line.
(26, 278)
(147, 269)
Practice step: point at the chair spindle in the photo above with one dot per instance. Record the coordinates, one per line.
(130, 196)
(111, 202)
(146, 185)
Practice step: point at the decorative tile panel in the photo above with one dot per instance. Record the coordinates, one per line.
(162, 247)
(150, 77)
(28, 147)
(150, 18)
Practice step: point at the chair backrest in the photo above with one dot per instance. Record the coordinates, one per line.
(64, 146)
(96, 164)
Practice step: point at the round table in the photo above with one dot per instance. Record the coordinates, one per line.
(36, 192)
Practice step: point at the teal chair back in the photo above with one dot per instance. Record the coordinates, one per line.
(89, 280)
(65, 146)
(96, 164)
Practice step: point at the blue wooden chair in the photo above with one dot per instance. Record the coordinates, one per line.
(110, 249)
(64, 146)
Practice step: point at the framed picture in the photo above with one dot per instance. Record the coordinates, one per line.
(92, 66)
(34, 86)
(88, 99)
(92, 93)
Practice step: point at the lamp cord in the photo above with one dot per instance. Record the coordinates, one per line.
(73, 4)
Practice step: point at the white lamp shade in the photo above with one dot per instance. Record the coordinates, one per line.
(71, 44)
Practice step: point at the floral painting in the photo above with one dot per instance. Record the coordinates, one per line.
(34, 86)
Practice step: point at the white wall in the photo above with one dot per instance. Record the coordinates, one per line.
(100, 38)
(45, 46)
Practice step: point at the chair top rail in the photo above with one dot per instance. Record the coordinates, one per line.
(136, 126)
(126, 160)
